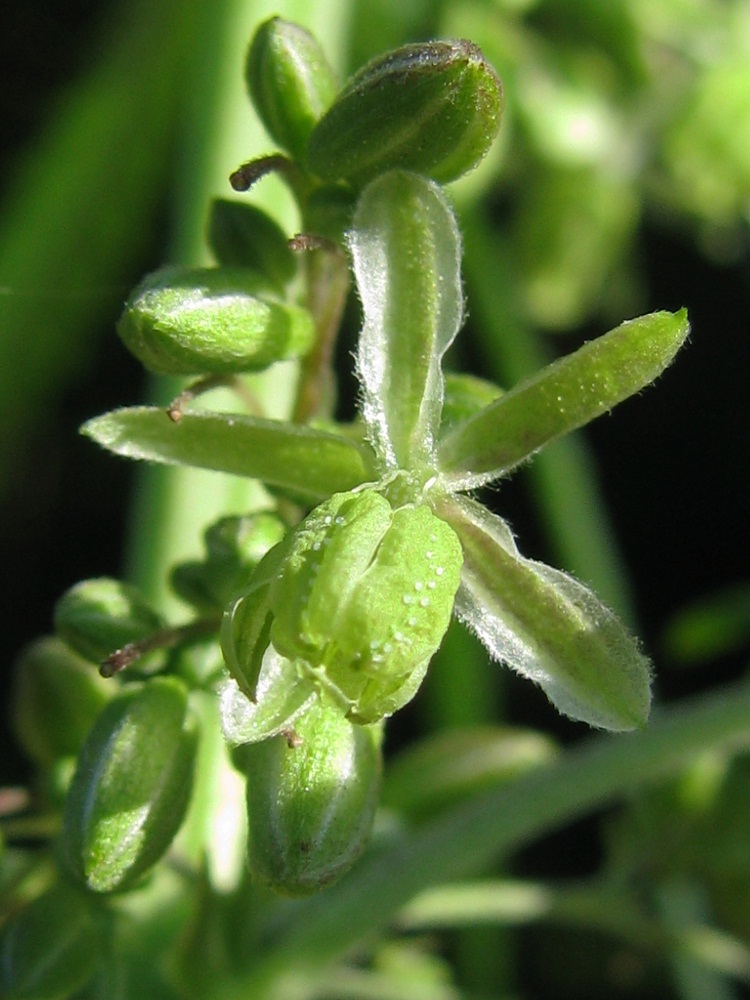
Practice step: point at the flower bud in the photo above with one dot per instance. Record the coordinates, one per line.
(432, 107)
(97, 617)
(234, 547)
(132, 785)
(364, 598)
(290, 82)
(242, 235)
(56, 697)
(311, 798)
(219, 321)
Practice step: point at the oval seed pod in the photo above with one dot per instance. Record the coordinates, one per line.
(364, 598)
(48, 950)
(55, 699)
(132, 785)
(219, 321)
(432, 107)
(311, 797)
(289, 81)
(97, 617)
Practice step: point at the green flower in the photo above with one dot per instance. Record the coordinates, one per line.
(405, 250)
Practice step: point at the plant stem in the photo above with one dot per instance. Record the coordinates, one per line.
(479, 832)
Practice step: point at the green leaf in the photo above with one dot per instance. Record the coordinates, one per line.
(431, 107)
(311, 463)
(132, 785)
(242, 235)
(406, 250)
(547, 626)
(311, 797)
(476, 833)
(455, 764)
(560, 398)
(290, 83)
(203, 320)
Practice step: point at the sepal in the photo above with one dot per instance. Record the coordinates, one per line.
(406, 252)
(560, 398)
(547, 626)
(281, 693)
(308, 463)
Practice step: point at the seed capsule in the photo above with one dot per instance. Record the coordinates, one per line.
(48, 949)
(234, 547)
(290, 82)
(96, 617)
(364, 598)
(56, 697)
(433, 108)
(311, 797)
(220, 321)
(132, 785)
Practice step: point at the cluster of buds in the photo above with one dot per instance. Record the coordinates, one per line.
(328, 621)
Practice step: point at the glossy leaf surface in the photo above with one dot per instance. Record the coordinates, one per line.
(309, 462)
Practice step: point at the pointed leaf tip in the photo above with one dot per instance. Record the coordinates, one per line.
(560, 398)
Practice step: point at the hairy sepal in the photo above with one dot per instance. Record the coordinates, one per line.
(406, 252)
(560, 398)
(280, 695)
(547, 626)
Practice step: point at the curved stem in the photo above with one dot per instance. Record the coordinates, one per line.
(479, 832)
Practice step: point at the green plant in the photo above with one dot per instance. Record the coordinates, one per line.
(329, 600)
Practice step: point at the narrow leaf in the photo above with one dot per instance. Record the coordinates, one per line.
(407, 257)
(547, 626)
(561, 397)
(312, 463)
